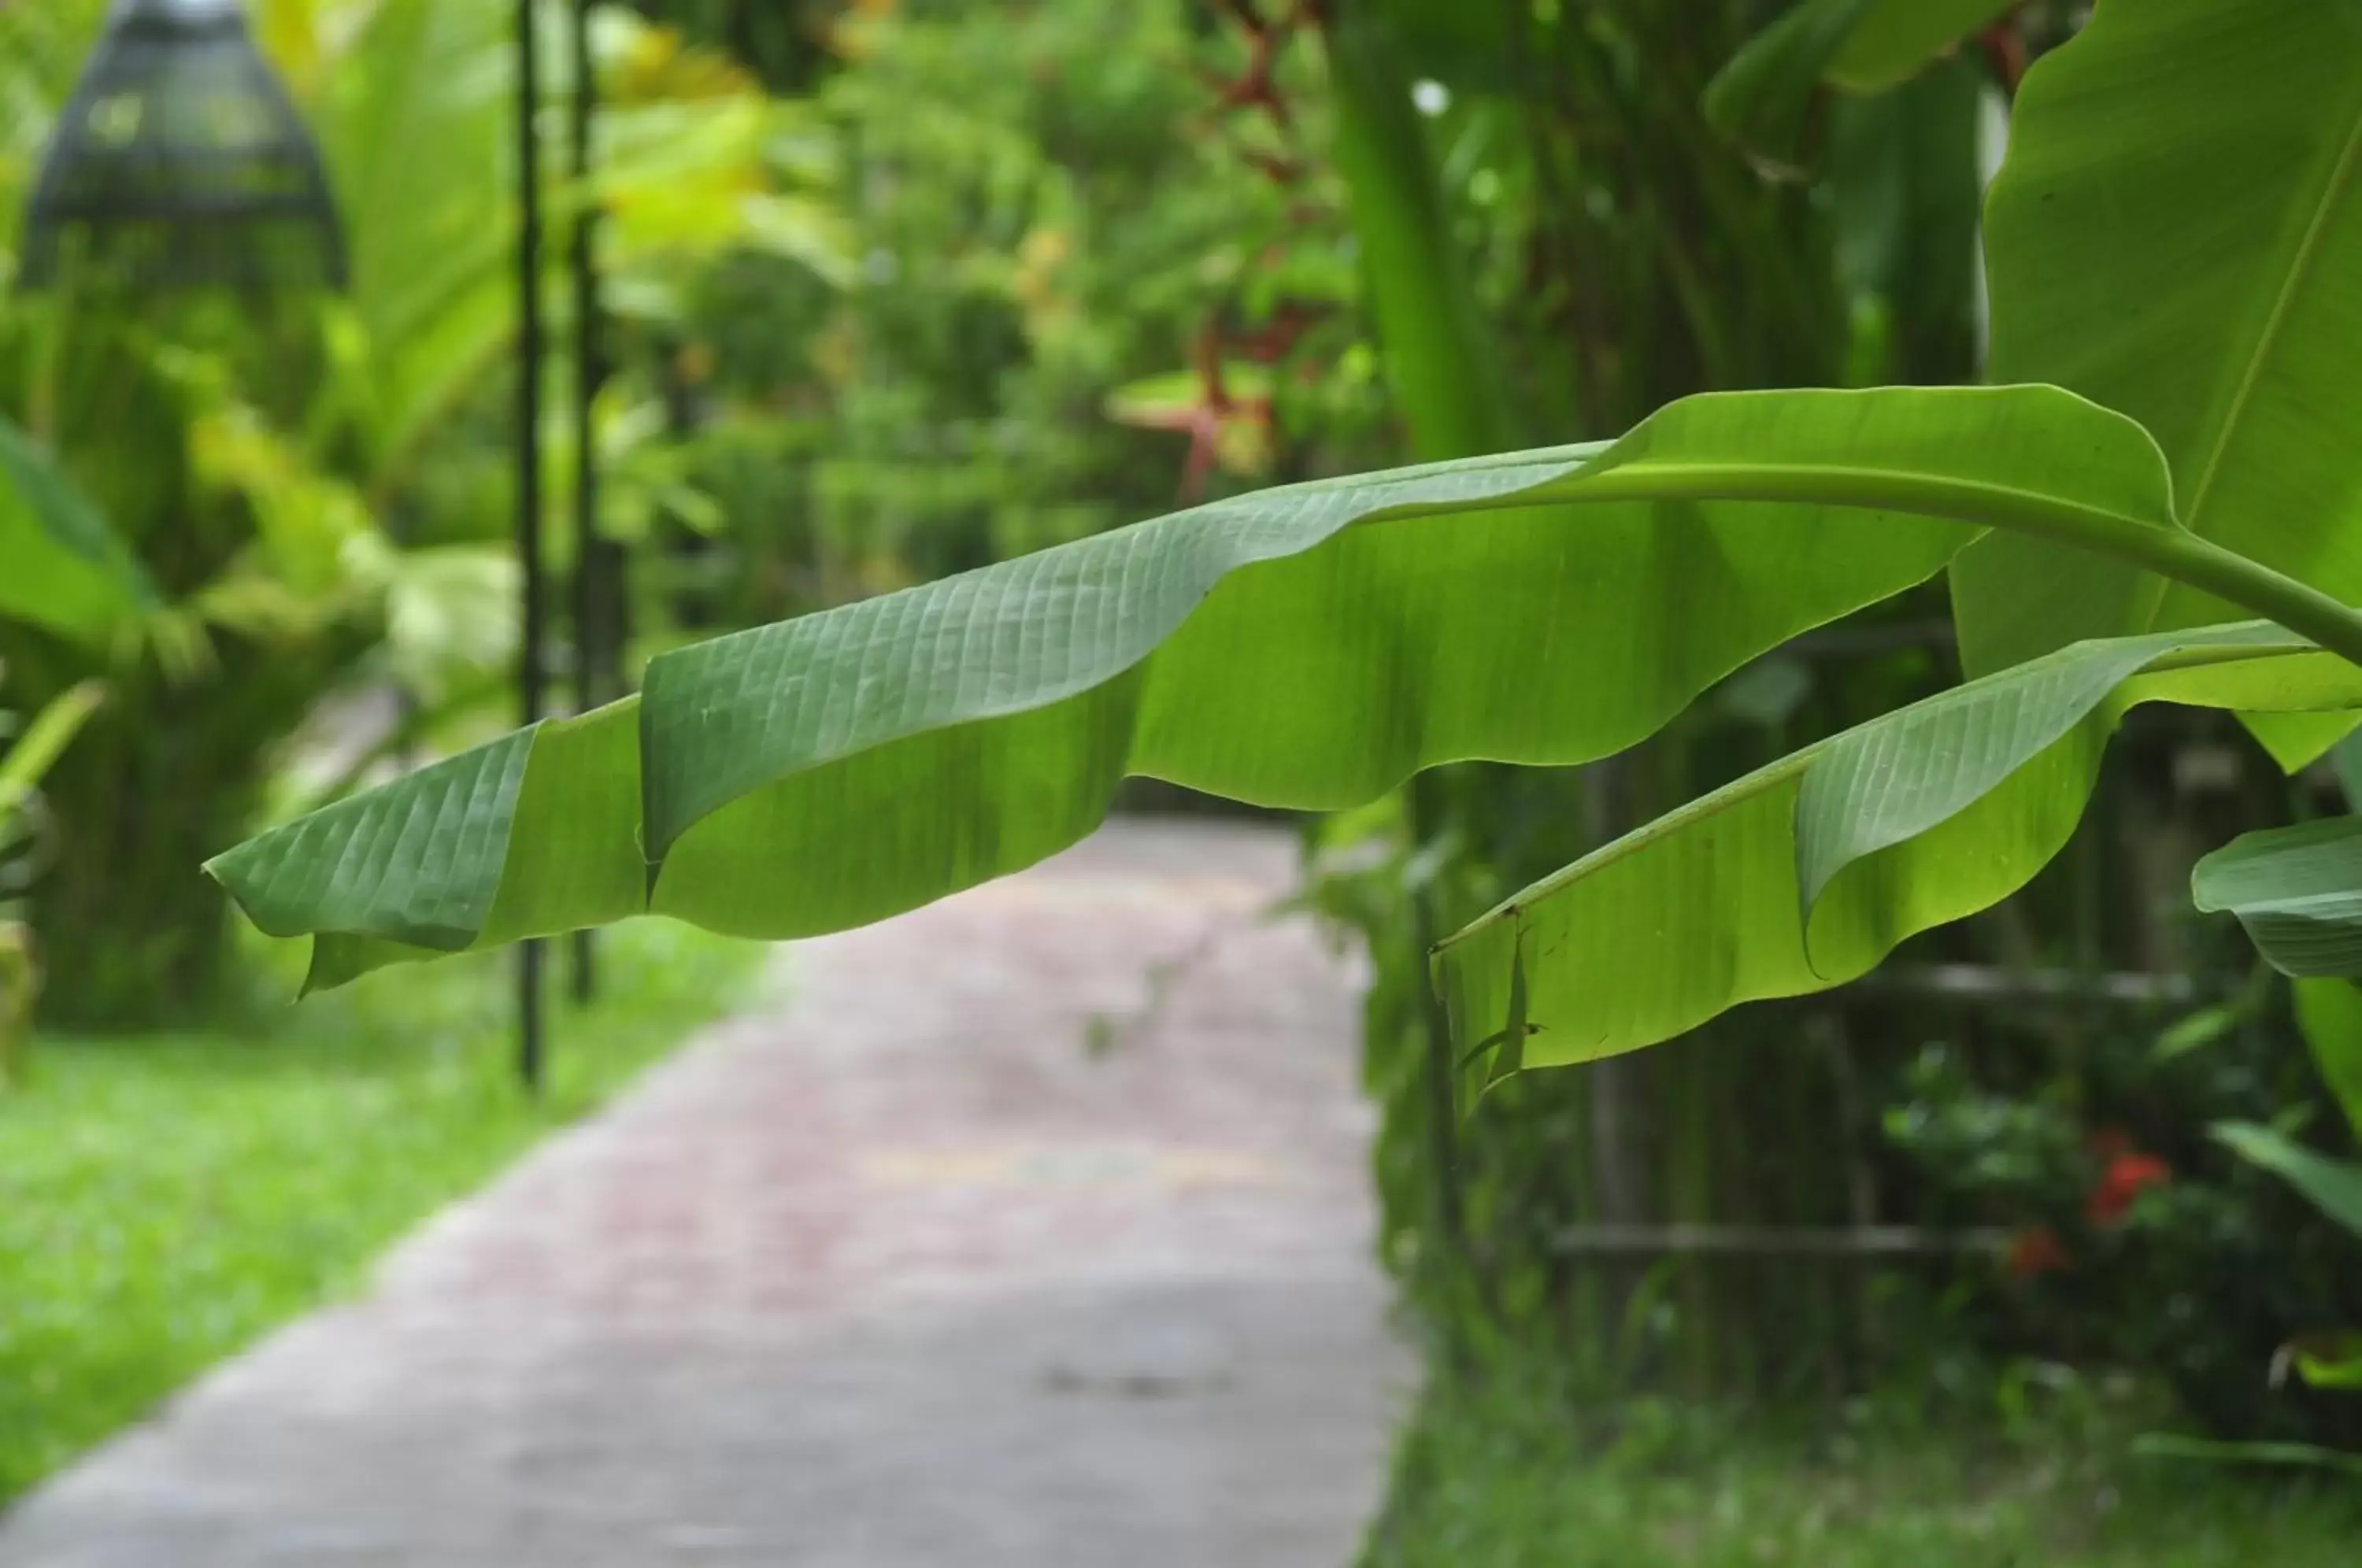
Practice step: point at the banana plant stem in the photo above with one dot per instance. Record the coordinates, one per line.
(2169, 551)
(2251, 585)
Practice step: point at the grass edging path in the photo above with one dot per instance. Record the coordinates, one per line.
(1503, 1473)
(166, 1199)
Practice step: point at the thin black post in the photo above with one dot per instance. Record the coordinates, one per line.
(591, 633)
(528, 480)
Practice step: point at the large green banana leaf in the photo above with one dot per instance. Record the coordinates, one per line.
(2177, 233)
(1309, 647)
(60, 565)
(2298, 892)
(1805, 874)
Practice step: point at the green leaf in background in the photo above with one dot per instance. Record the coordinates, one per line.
(1762, 99)
(2282, 1456)
(1442, 364)
(2196, 1032)
(1309, 647)
(1916, 819)
(2177, 233)
(2332, 1361)
(2346, 761)
(64, 568)
(1909, 195)
(1893, 40)
(2297, 890)
(414, 138)
(1468, 48)
(2329, 1015)
(31, 752)
(413, 111)
(2333, 1187)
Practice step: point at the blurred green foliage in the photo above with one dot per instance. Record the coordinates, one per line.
(314, 486)
(1079, 286)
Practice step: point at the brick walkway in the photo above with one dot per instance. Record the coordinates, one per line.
(898, 1272)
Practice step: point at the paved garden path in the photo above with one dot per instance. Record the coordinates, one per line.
(1028, 1231)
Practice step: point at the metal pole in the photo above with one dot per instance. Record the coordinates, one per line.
(591, 633)
(528, 481)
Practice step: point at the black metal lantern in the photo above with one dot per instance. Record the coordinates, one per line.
(179, 160)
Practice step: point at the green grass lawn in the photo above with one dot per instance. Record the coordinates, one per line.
(1505, 1479)
(165, 1200)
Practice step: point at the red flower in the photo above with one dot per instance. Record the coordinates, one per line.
(2120, 1181)
(2036, 1251)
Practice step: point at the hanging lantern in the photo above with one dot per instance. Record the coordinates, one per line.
(181, 161)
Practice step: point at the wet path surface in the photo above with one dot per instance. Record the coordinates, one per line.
(1031, 1229)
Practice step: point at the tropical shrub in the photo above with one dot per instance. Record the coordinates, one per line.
(201, 442)
(2289, 889)
(230, 509)
(2132, 1240)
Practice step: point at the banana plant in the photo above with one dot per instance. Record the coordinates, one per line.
(2176, 257)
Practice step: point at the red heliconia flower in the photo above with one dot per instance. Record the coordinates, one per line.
(2121, 1181)
(2036, 1251)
